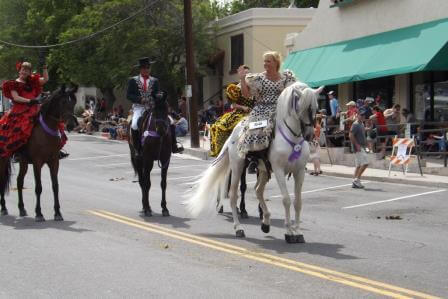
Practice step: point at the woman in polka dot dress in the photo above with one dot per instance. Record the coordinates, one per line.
(266, 88)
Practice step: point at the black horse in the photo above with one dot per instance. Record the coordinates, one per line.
(243, 187)
(156, 146)
(42, 148)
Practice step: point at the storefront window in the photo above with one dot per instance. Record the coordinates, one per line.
(440, 80)
(422, 98)
(426, 83)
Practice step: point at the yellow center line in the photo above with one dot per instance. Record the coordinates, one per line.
(328, 274)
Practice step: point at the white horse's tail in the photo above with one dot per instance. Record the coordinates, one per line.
(211, 186)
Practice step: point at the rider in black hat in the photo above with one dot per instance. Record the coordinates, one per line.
(142, 90)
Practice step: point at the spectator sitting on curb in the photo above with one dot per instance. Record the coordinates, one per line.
(181, 125)
(122, 129)
(357, 136)
(87, 121)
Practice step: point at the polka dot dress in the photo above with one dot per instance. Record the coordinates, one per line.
(266, 93)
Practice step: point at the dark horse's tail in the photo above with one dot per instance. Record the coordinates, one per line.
(5, 175)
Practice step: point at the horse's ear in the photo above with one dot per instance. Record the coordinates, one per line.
(319, 90)
(62, 89)
(294, 101)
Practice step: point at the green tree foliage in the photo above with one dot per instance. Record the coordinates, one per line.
(107, 60)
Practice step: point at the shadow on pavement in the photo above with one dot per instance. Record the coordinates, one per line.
(25, 223)
(280, 246)
(173, 221)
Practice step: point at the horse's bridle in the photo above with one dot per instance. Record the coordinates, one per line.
(303, 124)
(61, 117)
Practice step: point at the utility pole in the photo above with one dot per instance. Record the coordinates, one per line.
(193, 106)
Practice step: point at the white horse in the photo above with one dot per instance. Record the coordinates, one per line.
(288, 154)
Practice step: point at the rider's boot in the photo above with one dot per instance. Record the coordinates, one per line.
(174, 147)
(136, 143)
(63, 154)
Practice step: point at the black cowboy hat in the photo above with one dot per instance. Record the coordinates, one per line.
(145, 62)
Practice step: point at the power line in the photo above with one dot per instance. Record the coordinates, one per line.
(87, 37)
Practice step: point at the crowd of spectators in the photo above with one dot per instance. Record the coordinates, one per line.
(381, 125)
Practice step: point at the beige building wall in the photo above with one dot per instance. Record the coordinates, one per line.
(264, 29)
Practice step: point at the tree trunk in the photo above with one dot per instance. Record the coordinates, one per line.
(109, 96)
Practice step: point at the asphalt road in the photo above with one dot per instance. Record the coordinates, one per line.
(105, 249)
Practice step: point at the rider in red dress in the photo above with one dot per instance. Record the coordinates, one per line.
(17, 124)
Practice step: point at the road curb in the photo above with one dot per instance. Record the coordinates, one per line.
(392, 180)
(197, 152)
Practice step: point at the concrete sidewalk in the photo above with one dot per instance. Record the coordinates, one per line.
(381, 175)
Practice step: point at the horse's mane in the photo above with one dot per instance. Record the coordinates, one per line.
(161, 106)
(46, 103)
(286, 105)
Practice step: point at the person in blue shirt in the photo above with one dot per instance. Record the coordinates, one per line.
(181, 125)
(334, 104)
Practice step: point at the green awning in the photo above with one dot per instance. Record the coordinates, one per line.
(421, 47)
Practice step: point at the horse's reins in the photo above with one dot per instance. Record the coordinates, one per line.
(296, 146)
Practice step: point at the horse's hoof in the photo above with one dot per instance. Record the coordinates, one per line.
(58, 218)
(23, 213)
(293, 239)
(146, 213)
(40, 218)
(244, 215)
(289, 239)
(265, 228)
(240, 233)
(300, 239)
(165, 213)
(221, 210)
(4, 212)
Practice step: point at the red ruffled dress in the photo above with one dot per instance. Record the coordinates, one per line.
(17, 124)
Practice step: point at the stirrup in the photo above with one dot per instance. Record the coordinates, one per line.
(63, 154)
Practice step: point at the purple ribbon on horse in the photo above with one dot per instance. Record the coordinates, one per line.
(296, 147)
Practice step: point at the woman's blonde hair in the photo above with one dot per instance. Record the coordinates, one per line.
(275, 55)
(26, 65)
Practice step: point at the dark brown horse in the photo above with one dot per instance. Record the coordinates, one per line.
(156, 146)
(42, 148)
